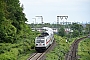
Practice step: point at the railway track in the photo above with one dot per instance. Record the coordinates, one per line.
(39, 56)
(71, 55)
(35, 56)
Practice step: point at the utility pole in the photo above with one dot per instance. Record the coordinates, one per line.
(34, 23)
(61, 17)
(79, 29)
(88, 27)
(41, 19)
(57, 23)
(83, 28)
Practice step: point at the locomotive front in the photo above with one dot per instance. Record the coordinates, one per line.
(40, 42)
(43, 41)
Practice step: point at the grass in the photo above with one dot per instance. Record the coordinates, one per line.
(59, 51)
(62, 47)
(84, 49)
(26, 55)
(20, 50)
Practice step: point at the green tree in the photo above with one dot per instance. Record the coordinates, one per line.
(77, 27)
(61, 32)
(87, 29)
(12, 21)
(75, 33)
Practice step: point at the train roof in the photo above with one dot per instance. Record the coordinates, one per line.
(48, 29)
(43, 34)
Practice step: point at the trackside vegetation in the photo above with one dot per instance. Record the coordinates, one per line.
(17, 51)
(62, 47)
(16, 37)
(84, 49)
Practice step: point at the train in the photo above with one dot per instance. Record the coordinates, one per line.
(44, 40)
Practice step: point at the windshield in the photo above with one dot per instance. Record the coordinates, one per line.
(43, 34)
(40, 41)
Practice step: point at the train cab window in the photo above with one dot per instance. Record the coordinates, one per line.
(40, 41)
(44, 34)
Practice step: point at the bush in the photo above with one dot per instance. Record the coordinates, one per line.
(12, 55)
(61, 32)
(75, 33)
(7, 32)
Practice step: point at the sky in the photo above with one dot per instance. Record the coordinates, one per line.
(76, 10)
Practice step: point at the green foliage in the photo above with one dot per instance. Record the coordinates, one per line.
(12, 21)
(12, 55)
(7, 32)
(61, 32)
(16, 37)
(77, 28)
(84, 49)
(87, 28)
(62, 48)
(17, 51)
(59, 51)
(75, 33)
(32, 25)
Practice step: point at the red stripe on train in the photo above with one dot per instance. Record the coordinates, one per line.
(47, 41)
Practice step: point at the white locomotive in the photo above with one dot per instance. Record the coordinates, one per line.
(44, 40)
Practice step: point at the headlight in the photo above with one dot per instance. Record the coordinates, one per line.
(43, 44)
(36, 44)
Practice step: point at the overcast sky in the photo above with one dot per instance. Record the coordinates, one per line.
(76, 10)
